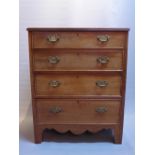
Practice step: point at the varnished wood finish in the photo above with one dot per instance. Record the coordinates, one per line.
(75, 111)
(78, 70)
(77, 40)
(75, 84)
(78, 60)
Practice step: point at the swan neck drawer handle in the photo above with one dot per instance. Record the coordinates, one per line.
(101, 109)
(55, 110)
(103, 60)
(54, 83)
(53, 59)
(101, 83)
(52, 38)
(103, 38)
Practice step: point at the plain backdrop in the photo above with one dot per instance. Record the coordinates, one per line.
(76, 13)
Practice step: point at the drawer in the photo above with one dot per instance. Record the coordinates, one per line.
(78, 39)
(77, 84)
(77, 60)
(71, 111)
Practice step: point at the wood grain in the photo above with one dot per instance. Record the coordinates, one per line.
(77, 60)
(77, 40)
(75, 84)
(74, 111)
(78, 71)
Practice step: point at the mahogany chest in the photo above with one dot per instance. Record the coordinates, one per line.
(78, 79)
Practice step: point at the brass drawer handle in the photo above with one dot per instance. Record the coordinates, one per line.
(102, 60)
(53, 59)
(101, 83)
(52, 38)
(55, 110)
(103, 38)
(101, 109)
(54, 83)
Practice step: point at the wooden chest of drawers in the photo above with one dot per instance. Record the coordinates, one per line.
(78, 79)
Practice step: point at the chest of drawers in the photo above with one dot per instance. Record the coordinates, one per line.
(78, 79)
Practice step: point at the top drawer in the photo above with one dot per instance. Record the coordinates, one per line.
(50, 39)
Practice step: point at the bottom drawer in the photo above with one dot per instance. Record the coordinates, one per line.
(77, 111)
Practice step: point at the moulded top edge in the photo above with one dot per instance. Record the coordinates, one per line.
(75, 29)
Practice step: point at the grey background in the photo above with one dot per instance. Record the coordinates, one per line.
(74, 13)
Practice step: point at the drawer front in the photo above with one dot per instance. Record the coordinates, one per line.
(78, 60)
(78, 39)
(67, 111)
(77, 84)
